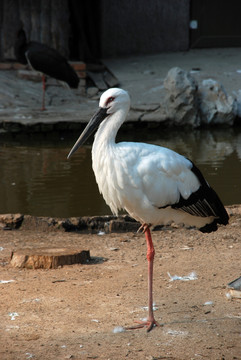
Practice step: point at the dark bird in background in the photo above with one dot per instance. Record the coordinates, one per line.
(45, 60)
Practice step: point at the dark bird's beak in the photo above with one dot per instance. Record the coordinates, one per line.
(92, 125)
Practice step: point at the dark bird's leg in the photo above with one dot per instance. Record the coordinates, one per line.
(44, 87)
(150, 322)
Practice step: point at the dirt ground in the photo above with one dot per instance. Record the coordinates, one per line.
(71, 312)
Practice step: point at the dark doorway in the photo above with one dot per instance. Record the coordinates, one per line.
(85, 30)
(218, 23)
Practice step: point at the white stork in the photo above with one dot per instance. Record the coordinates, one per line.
(155, 185)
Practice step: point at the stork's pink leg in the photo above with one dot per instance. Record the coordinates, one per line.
(44, 87)
(150, 258)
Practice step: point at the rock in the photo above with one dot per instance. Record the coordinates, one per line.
(38, 222)
(190, 103)
(158, 116)
(73, 224)
(117, 226)
(215, 106)
(145, 107)
(11, 221)
(234, 210)
(134, 116)
(92, 91)
(238, 100)
(181, 98)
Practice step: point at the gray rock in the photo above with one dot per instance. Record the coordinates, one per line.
(216, 107)
(159, 115)
(92, 91)
(145, 107)
(181, 98)
(134, 115)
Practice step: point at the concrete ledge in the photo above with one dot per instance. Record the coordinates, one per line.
(85, 224)
(77, 65)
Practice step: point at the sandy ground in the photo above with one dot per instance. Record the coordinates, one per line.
(71, 312)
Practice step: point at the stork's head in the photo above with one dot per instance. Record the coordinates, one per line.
(114, 99)
(111, 101)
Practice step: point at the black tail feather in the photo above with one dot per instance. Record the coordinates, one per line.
(204, 203)
(209, 227)
(212, 198)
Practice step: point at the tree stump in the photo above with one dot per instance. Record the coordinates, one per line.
(48, 258)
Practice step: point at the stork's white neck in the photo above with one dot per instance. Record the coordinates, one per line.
(106, 134)
(104, 153)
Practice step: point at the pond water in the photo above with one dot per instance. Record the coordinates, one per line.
(37, 179)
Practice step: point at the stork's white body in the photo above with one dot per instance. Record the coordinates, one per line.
(153, 184)
(142, 178)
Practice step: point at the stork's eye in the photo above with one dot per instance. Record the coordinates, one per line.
(109, 100)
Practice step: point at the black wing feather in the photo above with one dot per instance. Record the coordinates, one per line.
(44, 59)
(50, 62)
(204, 202)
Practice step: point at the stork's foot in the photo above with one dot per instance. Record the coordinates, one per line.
(141, 324)
(143, 228)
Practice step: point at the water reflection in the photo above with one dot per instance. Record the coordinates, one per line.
(37, 179)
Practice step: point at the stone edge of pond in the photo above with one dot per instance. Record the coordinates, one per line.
(84, 224)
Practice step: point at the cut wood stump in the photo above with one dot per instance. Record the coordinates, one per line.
(48, 258)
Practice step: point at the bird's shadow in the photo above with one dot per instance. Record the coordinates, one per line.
(96, 260)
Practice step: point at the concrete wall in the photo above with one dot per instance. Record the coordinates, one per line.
(143, 26)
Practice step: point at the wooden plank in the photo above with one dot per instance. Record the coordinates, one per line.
(110, 79)
(98, 80)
